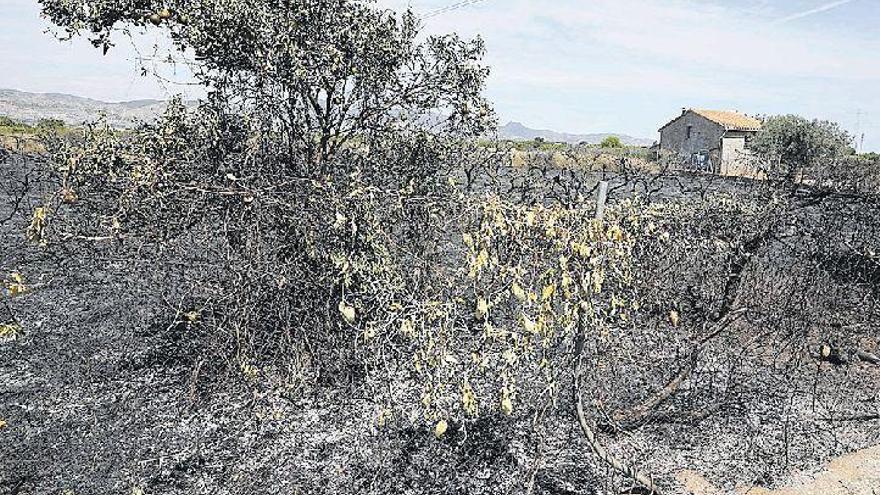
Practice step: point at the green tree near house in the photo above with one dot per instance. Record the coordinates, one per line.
(790, 145)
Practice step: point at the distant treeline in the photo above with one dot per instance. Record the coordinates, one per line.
(11, 126)
(540, 144)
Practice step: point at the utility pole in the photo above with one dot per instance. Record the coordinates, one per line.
(860, 136)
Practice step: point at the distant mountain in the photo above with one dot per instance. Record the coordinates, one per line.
(31, 107)
(519, 132)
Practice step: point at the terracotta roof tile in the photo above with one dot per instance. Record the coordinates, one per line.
(730, 120)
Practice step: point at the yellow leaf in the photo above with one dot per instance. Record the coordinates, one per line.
(406, 328)
(441, 428)
(347, 311)
(674, 318)
(38, 224)
(482, 258)
(528, 324)
(518, 292)
(468, 399)
(507, 406)
(482, 308)
(566, 280)
(548, 292)
(3, 424)
(468, 240)
(250, 371)
(509, 356)
(340, 220)
(598, 280)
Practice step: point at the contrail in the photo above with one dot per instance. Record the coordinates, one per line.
(806, 13)
(450, 8)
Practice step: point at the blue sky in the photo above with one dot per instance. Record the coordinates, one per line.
(600, 66)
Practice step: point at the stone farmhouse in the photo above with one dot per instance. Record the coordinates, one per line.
(711, 140)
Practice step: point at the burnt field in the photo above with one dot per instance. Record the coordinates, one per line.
(752, 358)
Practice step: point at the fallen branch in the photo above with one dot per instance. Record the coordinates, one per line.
(629, 418)
(868, 357)
(856, 418)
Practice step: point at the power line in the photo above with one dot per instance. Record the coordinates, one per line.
(450, 8)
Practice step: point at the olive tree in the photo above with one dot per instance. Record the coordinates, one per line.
(313, 74)
(791, 146)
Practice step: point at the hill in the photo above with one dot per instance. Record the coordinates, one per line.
(31, 107)
(519, 132)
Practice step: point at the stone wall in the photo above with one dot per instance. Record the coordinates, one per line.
(705, 135)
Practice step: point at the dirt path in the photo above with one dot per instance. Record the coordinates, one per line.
(857, 473)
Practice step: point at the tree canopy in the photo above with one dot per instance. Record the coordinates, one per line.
(790, 144)
(317, 73)
(611, 142)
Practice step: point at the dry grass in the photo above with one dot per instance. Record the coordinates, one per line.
(21, 142)
(585, 159)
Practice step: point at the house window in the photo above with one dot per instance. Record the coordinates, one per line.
(690, 128)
